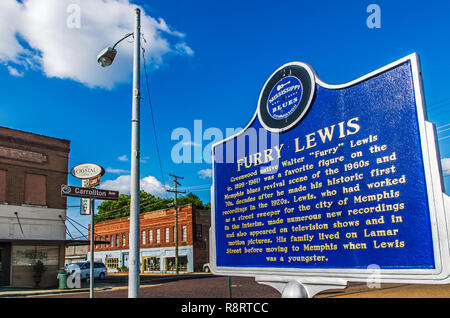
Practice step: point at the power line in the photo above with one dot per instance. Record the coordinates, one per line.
(209, 189)
(443, 130)
(443, 126)
(67, 219)
(67, 230)
(143, 205)
(151, 112)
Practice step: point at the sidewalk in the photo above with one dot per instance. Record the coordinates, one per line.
(389, 291)
(25, 292)
(354, 290)
(114, 281)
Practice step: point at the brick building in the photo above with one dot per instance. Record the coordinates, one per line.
(157, 247)
(32, 169)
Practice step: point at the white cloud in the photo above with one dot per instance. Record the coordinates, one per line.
(14, 72)
(123, 158)
(183, 48)
(445, 163)
(152, 185)
(45, 35)
(116, 171)
(205, 173)
(122, 184)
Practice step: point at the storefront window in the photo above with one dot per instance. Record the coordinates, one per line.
(30, 254)
(184, 233)
(112, 262)
(143, 237)
(182, 263)
(151, 264)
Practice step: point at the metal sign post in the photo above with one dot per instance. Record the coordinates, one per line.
(90, 175)
(91, 270)
(90, 193)
(85, 208)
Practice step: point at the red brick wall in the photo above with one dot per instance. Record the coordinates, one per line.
(201, 244)
(187, 216)
(154, 220)
(24, 153)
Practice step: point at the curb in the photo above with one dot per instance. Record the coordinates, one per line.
(22, 293)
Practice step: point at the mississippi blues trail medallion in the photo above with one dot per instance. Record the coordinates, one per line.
(286, 96)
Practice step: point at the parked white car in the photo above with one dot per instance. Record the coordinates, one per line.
(83, 268)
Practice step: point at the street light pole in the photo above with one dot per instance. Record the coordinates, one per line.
(91, 265)
(134, 261)
(105, 59)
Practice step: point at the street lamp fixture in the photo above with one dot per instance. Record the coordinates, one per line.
(106, 58)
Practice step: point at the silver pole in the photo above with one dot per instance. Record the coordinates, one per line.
(176, 231)
(134, 261)
(91, 270)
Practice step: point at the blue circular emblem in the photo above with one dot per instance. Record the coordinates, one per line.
(284, 97)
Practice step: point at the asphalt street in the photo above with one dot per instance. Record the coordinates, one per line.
(210, 286)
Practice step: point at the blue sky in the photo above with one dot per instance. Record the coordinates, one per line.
(208, 62)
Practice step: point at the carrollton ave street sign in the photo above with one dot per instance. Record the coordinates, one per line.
(92, 193)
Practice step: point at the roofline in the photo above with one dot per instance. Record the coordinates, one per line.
(127, 217)
(31, 133)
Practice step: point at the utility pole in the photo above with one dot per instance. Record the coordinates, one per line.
(106, 58)
(91, 268)
(133, 274)
(175, 191)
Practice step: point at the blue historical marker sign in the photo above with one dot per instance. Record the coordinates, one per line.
(330, 180)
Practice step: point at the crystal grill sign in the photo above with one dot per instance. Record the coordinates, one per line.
(87, 171)
(332, 183)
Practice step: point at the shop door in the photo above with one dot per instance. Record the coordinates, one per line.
(5, 261)
(125, 259)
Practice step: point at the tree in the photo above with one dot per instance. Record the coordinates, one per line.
(113, 209)
(109, 210)
(191, 198)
